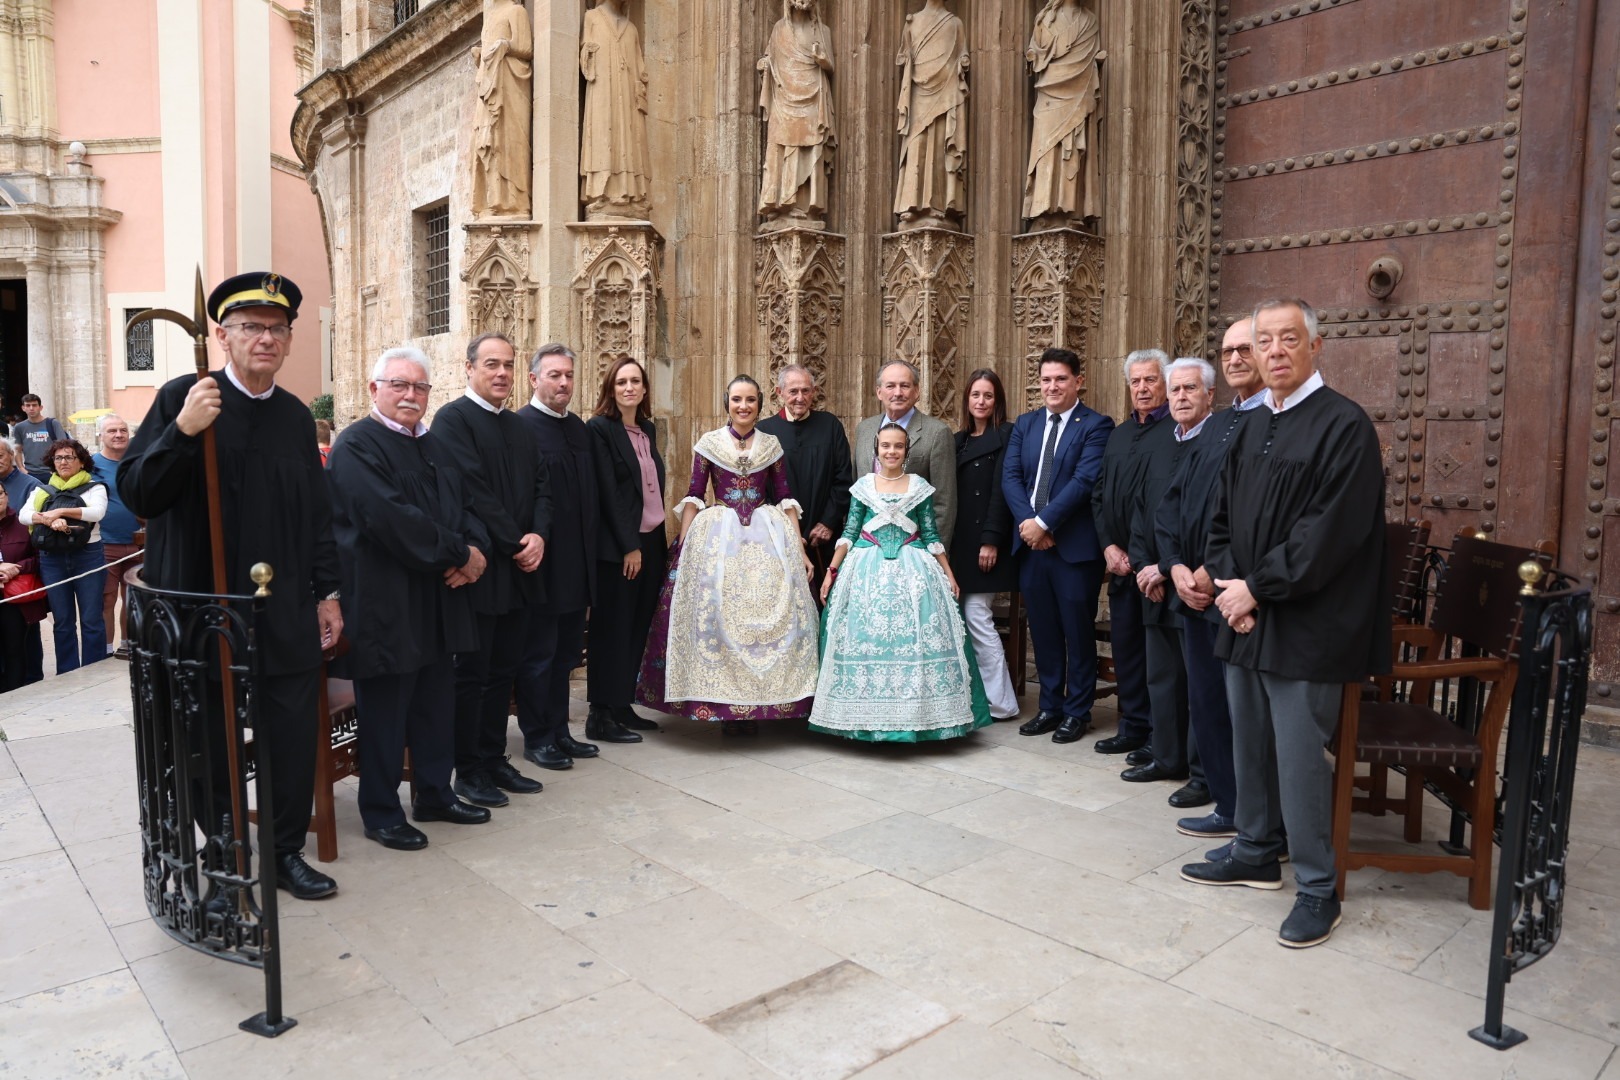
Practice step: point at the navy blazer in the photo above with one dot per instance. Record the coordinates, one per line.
(1077, 464)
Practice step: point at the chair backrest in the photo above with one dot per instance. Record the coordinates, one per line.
(1408, 560)
(1477, 601)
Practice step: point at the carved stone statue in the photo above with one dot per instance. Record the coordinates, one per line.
(1061, 183)
(501, 135)
(796, 97)
(614, 169)
(933, 118)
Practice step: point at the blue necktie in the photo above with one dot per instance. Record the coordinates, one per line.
(1043, 486)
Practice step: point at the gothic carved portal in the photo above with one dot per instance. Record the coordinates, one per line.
(615, 292)
(1057, 299)
(927, 300)
(799, 284)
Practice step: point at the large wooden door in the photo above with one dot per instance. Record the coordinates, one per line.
(1414, 170)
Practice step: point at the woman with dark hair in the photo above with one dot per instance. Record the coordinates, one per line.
(981, 544)
(734, 636)
(631, 549)
(63, 517)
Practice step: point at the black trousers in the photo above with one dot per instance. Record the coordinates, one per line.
(13, 647)
(1211, 722)
(555, 642)
(1128, 643)
(414, 709)
(1167, 690)
(484, 690)
(621, 618)
(288, 716)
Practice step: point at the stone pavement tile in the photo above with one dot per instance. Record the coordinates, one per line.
(965, 1049)
(1122, 922)
(372, 879)
(50, 931)
(1600, 874)
(23, 828)
(752, 864)
(77, 755)
(8, 767)
(138, 940)
(624, 1033)
(70, 706)
(888, 773)
(1258, 906)
(1116, 1023)
(785, 800)
(1612, 1071)
(1595, 810)
(912, 847)
(975, 964)
(1398, 920)
(787, 745)
(111, 871)
(1567, 986)
(702, 952)
(1403, 1022)
(375, 1034)
(1061, 781)
(79, 811)
(445, 955)
(1080, 753)
(567, 876)
(1148, 805)
(200, 998)
(666, 757)
(620, 803)
(1091, 841)
(100, 1026)
(830, 1025)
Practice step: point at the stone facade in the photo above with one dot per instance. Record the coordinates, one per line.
(383, 130)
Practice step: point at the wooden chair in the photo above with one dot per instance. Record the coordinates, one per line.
(337, 743)
(1408, 566)
(1476, 607)
(1014, 631)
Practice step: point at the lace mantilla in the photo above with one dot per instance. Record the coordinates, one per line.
(719, 448)
(888, 510)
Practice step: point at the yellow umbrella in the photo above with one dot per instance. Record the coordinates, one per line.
(84, 416)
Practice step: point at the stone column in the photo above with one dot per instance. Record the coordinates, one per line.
(1057, 287)
(927, 300)
(615, 306)
(799, 282)
(344, 196)
(42, 368)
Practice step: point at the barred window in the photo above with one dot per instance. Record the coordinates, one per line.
(139, 354)
(404, 9)
(435, 249)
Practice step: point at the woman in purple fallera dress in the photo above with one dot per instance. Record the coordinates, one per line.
(734, 635)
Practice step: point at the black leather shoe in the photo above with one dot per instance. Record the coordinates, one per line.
(401, 837)
(479, 787)
(1041, 723)
(1190, 795)
(548, 756)
(507, 778)
(1139, 757)
(574, 748)
(301, 879)
(601, 726)
(1146, 774)
(457, 813)
(1119, 744)
(1072, 728)
(626, 716)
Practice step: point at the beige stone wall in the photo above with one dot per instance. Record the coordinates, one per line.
(387, 135)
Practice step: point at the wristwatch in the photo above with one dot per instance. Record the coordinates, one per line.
(333, 595)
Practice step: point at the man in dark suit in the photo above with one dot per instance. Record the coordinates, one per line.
(1053, 460)
(818, 464)
(557, 627)
(508, 491)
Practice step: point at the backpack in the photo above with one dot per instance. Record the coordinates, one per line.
(77, 536)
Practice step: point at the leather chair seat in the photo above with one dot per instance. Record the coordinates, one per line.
(1399, 733)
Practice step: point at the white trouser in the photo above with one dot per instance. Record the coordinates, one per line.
(992, 658)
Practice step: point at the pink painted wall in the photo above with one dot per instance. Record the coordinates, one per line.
(106, 69)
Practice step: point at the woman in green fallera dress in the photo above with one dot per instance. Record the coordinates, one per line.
(896, 662)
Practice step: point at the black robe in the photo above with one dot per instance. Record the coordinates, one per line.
(1113, 499)
(569, 568)
(508, 491)
(1299, 515)
(819, 467)
(273, 506)
(1162, 456)
(1181, 523)
(401, 521)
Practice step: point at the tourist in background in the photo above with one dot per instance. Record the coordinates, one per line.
(118, 528)
(981, 545)
(65, 518)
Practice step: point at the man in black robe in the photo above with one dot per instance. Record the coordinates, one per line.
(501, 470)
(1297, 552)
(1182, 527)
(409, 550)
(274, 509)
(1112, 500)
(819, 466)
(556, 633)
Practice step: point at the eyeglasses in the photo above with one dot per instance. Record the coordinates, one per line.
(279, 331)
(400, 386)
(1237, 350)
(66, 457)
